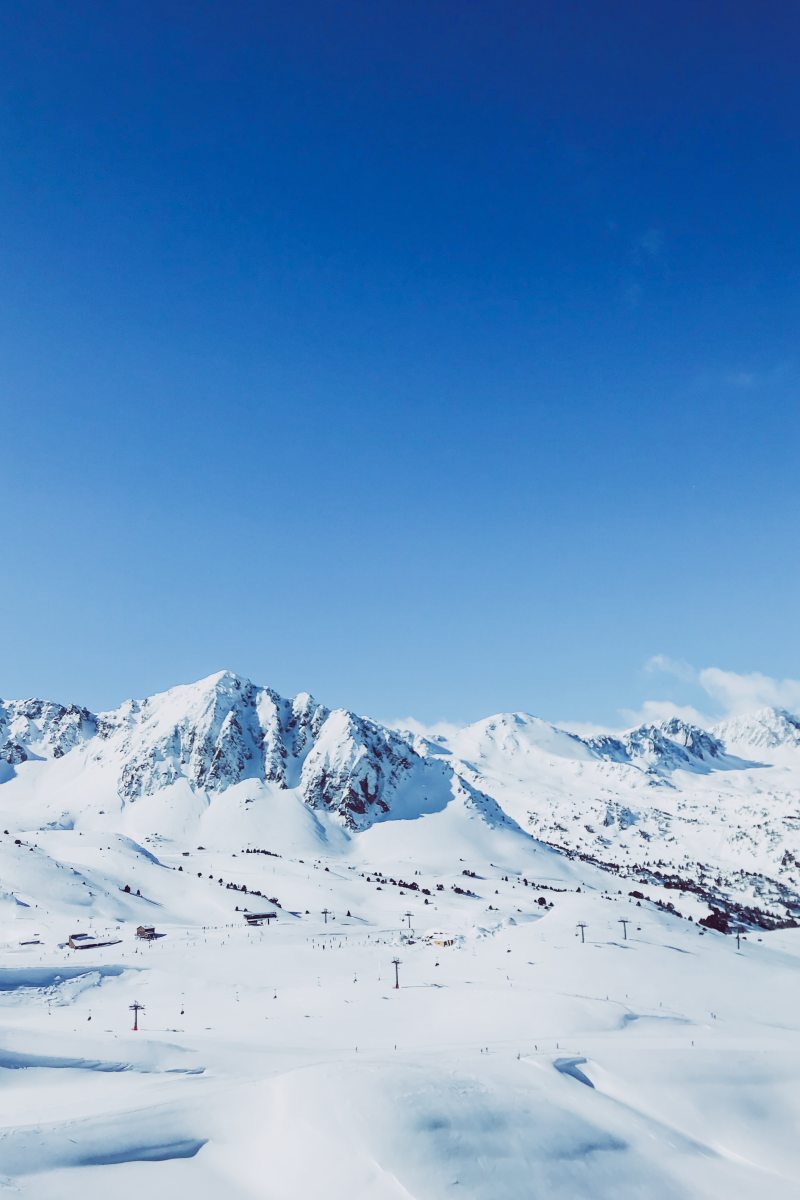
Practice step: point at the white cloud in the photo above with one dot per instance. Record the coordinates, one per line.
(653, 711)
(445, 729)
(743, 693)
(730, 693)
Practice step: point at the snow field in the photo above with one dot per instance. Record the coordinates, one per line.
(280, 1062)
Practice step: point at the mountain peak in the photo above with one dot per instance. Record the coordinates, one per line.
(766, 729)
(221, 681)
(515, 732)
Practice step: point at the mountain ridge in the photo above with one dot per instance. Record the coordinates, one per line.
(224, 730)
(717, 808)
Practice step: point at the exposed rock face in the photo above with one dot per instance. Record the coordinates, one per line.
(224, 730)
(355, 766)
(41, 729)
(669, 746)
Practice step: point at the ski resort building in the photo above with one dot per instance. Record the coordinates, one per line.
(440, 939)
(259, 918)
(88, 941)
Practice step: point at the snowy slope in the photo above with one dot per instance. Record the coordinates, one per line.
(716, 810)
(557, 1031)
(514, 1061)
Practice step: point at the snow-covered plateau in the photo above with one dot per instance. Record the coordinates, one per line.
(595, 940)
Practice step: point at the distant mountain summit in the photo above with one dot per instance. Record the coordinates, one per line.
(715, 810)
(656, 748)
(766, 729)
(665, 747)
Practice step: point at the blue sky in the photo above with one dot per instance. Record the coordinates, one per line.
(439, 358)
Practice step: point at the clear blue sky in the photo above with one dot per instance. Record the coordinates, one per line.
(438, 357)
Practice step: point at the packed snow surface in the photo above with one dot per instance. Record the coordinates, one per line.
(559, 1032)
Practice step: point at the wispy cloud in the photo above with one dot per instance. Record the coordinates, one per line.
(654, 711)
(717, 694)
(741, 379)
(664, 665)
(445, 729)
(648, 245)
(724, 378)
(729, 693)
(646, 263)
(742, 693)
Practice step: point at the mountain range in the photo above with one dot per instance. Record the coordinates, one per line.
(711, 812)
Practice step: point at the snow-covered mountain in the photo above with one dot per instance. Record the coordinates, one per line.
(716, 812)
(189, 745)
(39, 729)
(767, 729)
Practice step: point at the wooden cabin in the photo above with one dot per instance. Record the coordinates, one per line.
(146, 932)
